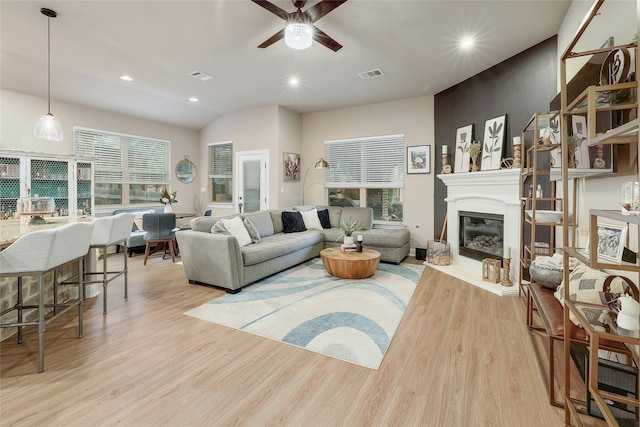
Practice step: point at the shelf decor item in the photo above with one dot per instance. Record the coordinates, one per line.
(629, 198)
(610, 242)
(494, 130)
(474, 151)
(464, 137)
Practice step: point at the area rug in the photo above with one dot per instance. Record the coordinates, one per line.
(351, 320)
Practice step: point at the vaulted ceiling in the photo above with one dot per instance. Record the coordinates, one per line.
(158, 43)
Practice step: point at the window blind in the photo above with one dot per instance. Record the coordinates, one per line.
(123, 158)
(373, 162)
(221, 160)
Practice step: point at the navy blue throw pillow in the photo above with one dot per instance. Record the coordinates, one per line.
(292, 222)
(323, 216)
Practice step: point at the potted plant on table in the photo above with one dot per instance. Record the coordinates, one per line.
(168, 199)
(349, 226)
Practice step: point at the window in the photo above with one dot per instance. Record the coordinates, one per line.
(128, 169)
(221, 172)
(367, 172)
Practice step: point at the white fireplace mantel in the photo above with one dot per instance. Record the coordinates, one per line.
(492, 192)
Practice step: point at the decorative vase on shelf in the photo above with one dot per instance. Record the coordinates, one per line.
(474, 164)
(168, 208)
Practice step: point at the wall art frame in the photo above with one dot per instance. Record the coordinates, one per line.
(419, 159)
(493, 143)
(462, 159)
(290, 167)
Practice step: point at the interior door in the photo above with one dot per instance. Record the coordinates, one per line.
(252, 181)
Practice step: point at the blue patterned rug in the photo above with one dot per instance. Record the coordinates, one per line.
(352, 320)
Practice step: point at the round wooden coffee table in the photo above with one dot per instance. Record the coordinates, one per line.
(350, 265)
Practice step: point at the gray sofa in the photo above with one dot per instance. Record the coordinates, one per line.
(216, 258)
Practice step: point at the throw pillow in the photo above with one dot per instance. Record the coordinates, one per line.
(324, 218)
(311, 220)
(588, 285)
(253, 231)
(236, 228)
(262, 222)
(292, 222)
(218, 227)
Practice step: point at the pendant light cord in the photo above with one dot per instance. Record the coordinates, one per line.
(49, 64)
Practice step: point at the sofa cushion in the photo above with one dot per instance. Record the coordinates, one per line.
(325, 220)
(311, 220)
(364, 216)
(334, 214)
(276, 219)
(236, 228)
(253, 231)
(262, 222)
(292, 222)
(279, 245)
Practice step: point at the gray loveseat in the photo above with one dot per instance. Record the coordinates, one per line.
(216, 258)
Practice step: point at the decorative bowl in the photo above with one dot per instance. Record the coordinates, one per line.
(546, 216)
(545, 276)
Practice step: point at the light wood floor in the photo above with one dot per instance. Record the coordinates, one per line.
(461, 357)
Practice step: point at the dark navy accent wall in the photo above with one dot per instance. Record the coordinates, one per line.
(517, 87)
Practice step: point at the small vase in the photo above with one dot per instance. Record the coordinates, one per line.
(474, 165)
(168, 208)
(348, 240)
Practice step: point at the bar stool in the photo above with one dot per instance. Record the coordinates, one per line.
(159, 228)
(36, 254)
(110, 231)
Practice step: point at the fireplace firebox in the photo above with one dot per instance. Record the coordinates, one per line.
(480, 235)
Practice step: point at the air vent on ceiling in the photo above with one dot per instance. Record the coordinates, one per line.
(371, 74)
(200, 75)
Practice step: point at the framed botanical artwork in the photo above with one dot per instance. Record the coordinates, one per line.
(291, 167)
(419, 159)
(494, 130)
(581, 156)
(611, 241)
(462, 160)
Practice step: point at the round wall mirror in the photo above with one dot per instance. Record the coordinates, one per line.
(185, 171)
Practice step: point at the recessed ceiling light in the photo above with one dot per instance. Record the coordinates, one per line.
(293, 81)
(466, 43)
(193, 99)
(126, 78)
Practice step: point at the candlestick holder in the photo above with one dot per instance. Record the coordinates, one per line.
(446, 168)
(506, 280)
(517, 156)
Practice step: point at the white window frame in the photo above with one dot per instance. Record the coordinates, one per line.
(211, 175)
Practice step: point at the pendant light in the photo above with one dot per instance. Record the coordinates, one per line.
(48, 127)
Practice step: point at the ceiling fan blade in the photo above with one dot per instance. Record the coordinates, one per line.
(272, 8)
(274, 38)
(318, 10)
(322, 38)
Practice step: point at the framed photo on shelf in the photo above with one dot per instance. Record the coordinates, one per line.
(462, 160)
(611, 241)
(290, 167)
(579, 126)
(493, 142)
(419, 159)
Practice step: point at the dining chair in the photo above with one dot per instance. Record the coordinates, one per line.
(159, 229)
(36, 254)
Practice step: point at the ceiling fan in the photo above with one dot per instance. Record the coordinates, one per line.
(299, 28)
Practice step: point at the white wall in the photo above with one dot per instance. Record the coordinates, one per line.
(412, 117)
(19, 113)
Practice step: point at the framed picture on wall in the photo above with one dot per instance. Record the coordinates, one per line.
(462, 160)
(494, 130)
(419, 159)
(290, 167)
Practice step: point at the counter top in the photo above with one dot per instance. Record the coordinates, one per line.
(12, 229)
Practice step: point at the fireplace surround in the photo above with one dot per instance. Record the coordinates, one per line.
(494, 194)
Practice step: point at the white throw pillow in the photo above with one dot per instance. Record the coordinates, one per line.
(311, 220)
(236, 228)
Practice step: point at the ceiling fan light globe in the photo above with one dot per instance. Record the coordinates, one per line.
(48, 127)
(298, 35)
